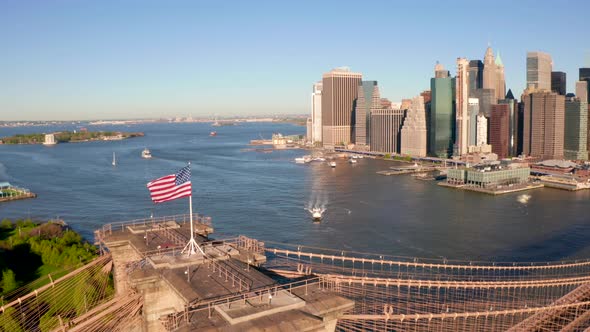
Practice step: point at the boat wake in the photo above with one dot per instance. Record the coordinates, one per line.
(317, 206)
(523, 199)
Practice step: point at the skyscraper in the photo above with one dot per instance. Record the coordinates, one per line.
(386, 126)
(543, 127)
(368, 98)
(473, 105)
(413, 135)
(316, 113)
(500, 79)
(442, 113)
(461, 104)
(558, 82)
(475, 73)
(487, 98)
(582, 90)
(482, 130)
(513, 122)
(339, 91)
(500, 130)
(489, 70)
(585, 76)
(576, 129)
(538, 70)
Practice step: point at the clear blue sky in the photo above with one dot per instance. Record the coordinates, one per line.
(129, 59)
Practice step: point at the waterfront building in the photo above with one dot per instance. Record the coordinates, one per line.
(482, 130)
(558, 82)
(316, 113)
(49, 139)
(413, 134)
(539, 67)
(386, 126)
(500, 78)
(461, 106)
(582, 90)
(543, 128)
(576, 129)
(475, 73)
(339, 91)
(442, 114)
(473, 110)
(488, 178)
(500, 130)
(489, 71)
(368, 98)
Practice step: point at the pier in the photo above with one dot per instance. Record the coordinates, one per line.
(9, 192)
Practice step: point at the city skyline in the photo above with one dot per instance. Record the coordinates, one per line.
(74, 61)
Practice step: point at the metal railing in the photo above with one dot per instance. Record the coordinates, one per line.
(173, 321)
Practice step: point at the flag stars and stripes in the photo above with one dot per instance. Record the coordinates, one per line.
(171, 186)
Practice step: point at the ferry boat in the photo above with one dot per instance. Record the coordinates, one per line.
(213, 133)
(333, 164)
(146, 154)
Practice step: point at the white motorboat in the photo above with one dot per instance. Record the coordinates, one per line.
(333, 164)
(524, 198)
(316, 214)
(352, 161)
(114, 163)
(300, 160)
(146, 154)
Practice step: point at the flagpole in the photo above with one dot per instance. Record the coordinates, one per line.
(192, 244)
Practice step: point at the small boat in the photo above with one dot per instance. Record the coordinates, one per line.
(213, 133)
(333, 164)
(523, 199)
(146, 154)
(352, 161)
(114, 163)
(300, 160)
(316, 214)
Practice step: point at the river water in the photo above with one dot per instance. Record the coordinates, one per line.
(264, 195)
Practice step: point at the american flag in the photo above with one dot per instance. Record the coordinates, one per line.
(171, 186)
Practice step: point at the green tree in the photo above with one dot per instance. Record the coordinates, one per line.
(8, 281)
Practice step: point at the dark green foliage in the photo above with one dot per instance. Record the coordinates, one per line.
(8, 281)
(26, 248)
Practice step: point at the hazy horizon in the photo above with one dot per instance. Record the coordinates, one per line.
(152, 59)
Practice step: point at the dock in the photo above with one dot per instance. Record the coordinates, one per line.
(493, 191)
(406, 170)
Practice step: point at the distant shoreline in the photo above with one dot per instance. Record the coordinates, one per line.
(68, 137)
